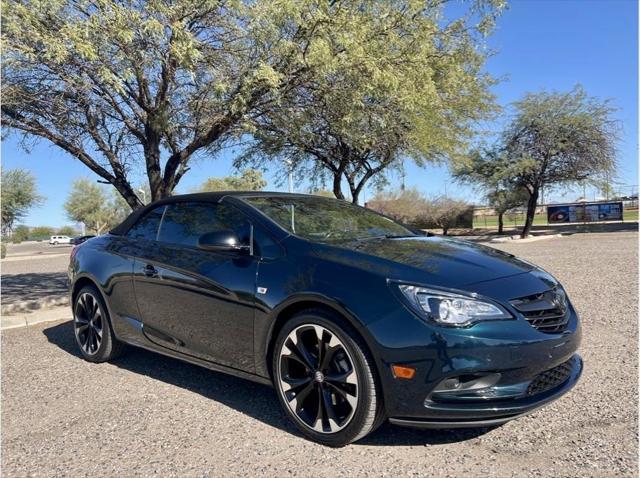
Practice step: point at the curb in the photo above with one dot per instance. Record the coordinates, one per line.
(517, 239)
(39, 317)
(31, 305)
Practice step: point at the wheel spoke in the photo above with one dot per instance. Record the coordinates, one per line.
(320, 414)
(289, 383)
(82, 327)
(95, 310)
(87, 344)
(329, 349)
(342, 377)
(98, 332)
(349, 397)
(297, 401)
(300, 353)
(83, 300)
(330, 412)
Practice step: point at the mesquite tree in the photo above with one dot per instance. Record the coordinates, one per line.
(131, 87)
(558, 139)
(411, 86)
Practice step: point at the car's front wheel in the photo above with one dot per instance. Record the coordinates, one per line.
(325, 379)
(92, 328)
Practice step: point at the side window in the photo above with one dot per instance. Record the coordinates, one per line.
(184, 223)
(147, 227)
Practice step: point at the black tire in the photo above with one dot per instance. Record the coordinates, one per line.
(339, 422)
(55, 243)
(93, 333)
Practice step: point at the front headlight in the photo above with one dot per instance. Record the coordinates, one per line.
(450, 309)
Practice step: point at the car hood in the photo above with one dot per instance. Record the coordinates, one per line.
(433, 260)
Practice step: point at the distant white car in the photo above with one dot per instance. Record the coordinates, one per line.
(55, 240)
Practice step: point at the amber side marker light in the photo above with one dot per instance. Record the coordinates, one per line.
(402, 371)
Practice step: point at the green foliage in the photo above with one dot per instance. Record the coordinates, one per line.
(553, 139)
(20, 233)
(67, 231)
(400, 82)
(3, 250)
(41, 233)
(19, 194)
(405, 206)
(559, 138)
(447, 213)
(93, 205)
(491, 171)
(249, 180)
(410, 207)
(321, 192)
(110, 82)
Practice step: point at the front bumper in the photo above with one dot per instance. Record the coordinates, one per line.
(512, 353)
(490, 412)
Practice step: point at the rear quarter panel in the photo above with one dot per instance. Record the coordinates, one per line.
(106, 262)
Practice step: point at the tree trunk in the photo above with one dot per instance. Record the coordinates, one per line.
(500, 222)
(532, 203)
(337, 189)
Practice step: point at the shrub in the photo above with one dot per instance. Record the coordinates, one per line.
(413, 209)
(41, 233)
(20, 233)
(447, 213)
(67, 231)
(3, 250)
(403, 206)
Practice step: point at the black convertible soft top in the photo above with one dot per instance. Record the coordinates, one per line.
(122, 228)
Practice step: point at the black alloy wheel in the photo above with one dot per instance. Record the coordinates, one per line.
(318, 378)
(87, 323)
(92, 328)
(325, 379)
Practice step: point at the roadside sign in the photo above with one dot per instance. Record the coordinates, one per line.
(585, 212)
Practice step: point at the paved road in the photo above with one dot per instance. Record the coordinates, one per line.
(150, 415)
(34, 270)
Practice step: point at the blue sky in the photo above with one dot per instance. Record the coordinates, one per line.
(540, 44)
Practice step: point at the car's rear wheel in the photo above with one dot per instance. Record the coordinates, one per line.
(92, 328)
(325, 379)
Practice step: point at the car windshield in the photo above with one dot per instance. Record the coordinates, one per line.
(327, 220)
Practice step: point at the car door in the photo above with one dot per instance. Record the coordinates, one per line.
(194, 301)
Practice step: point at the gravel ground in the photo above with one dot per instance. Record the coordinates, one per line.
(150, 415)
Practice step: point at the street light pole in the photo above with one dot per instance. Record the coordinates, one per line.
(289, 163)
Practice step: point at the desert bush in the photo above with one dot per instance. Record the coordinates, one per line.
(412, 208)
(41, 233)
(20, 233)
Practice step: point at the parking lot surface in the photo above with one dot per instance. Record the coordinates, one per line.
(149, 415)
(34, 271)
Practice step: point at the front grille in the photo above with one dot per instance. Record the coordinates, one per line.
(551, 378)
(546, 311)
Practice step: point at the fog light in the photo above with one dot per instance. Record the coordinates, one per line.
(449, 384)
(469, 382)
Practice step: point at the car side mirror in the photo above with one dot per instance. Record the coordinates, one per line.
(222, 241)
